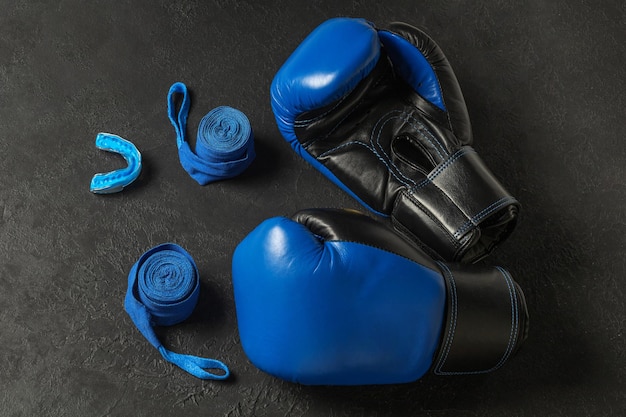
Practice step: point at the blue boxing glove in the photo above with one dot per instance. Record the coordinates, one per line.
(334, 297)
(381, 114)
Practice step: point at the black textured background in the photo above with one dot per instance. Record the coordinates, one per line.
(544, 81)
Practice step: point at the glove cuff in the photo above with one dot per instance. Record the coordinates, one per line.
(487, 320)
(451, 222)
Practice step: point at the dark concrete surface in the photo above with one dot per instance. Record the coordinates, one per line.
(544, 81)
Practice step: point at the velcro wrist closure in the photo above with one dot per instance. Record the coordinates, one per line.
(487, 320)
(460, 211)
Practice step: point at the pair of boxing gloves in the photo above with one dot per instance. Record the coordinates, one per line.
(338, 297)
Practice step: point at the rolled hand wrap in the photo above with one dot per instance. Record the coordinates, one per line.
(224, 145)
(163, 289)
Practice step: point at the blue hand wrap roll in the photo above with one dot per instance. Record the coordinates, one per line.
(224, 145)
(114, 181)
(163, 289)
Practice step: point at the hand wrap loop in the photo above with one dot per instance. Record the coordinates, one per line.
(224, 145)
(163, 289)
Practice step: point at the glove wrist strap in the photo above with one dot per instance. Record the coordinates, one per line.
(479, 212)
(487, 320)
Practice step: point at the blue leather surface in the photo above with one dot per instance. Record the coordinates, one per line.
(333, 59)
(328, 64)
(413, 67)
(334, 312)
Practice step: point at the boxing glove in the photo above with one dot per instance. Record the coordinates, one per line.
(334, 297)
(381, 114)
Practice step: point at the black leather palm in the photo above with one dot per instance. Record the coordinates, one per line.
(406, 158)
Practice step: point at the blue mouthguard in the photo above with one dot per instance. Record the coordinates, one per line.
(115, 181)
